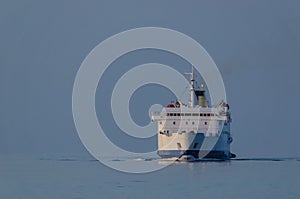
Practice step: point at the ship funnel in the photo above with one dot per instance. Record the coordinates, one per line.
(201, 96)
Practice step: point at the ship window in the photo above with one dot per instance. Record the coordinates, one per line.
(187, 114)
(168, 114)
(160, 122)
(208, 114)
(195, 145)
(201, 114)
(205, 123)
(174, 123)
(186, 123)
(178, 114)
(171, 114)
(182, 114)
(204, 114)
(193, 123)
(212, 114)
(195, 114)
(179, 145)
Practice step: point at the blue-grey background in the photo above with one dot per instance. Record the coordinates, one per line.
(255, 45)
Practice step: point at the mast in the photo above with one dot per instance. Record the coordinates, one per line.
(192, 88)
(191, 104)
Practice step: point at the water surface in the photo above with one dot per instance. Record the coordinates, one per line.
(84, 177)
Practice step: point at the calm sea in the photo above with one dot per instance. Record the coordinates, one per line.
(84, 177)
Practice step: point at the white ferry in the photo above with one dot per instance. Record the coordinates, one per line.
(194, 131)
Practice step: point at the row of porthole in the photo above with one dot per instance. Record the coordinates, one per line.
(193, 123)
(167, 132)
(192, 114)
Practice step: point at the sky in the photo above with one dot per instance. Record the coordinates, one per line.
(255, 45)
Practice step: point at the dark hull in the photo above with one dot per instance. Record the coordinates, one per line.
(196, 154)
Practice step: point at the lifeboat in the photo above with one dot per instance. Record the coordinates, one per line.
(170, 106)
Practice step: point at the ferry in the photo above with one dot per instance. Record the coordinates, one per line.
(194, 131)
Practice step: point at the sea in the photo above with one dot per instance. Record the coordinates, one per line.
(78, 177)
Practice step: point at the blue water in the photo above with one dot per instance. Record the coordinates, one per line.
(84, 177)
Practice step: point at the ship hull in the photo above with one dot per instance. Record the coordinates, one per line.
(195, 154)
(215, 147)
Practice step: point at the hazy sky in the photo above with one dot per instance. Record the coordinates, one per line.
(255, 45)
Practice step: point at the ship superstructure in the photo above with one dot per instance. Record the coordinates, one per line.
(194, 131)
